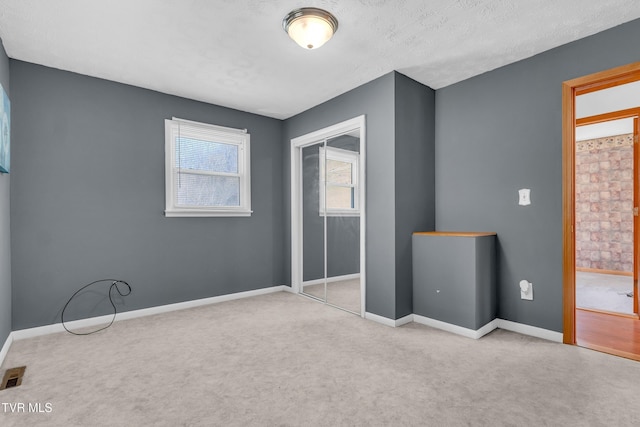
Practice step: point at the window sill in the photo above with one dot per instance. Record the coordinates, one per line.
(341, 213)
(197, 213)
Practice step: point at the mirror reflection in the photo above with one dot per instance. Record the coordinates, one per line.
(331, 221)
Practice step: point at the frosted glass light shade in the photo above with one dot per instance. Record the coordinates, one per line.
(310, 27)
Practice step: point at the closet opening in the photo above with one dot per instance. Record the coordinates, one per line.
(328, 215)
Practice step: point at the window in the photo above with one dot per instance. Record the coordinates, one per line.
(207, 170)
(339, 186)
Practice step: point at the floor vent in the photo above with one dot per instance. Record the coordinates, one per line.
(12, 377)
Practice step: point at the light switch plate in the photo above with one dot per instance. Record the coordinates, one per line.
(524, 197)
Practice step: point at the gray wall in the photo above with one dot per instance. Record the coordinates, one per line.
(5, 251)
(502, 131)
(399, 153)
(87, 200)
(87, 185)
(414, 178)
(343, 233)
(375, 100)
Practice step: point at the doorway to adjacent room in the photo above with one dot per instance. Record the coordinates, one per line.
(605, 222)
(600, 211)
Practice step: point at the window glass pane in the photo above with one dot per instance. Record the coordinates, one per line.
(205, 155)
(338, 172)
(339, 197)
(207, 190)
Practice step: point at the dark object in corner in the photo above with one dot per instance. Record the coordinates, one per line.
(12, 377)
(114, 284)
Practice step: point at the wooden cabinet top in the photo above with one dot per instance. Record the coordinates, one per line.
(454, 233)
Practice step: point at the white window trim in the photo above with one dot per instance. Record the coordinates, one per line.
(346, 156)
(239, 137)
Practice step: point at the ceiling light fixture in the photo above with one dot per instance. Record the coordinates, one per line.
(310, 27)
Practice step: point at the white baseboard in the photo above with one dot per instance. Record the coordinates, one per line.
(520, 328)
(465, 332)
(331, 279)
(380, 319)
(404, 320)
(289, 289)
(533, 331)
(94, 321)
(493, 325)
(389, 322)
(5, 348)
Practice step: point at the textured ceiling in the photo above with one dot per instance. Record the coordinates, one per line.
(234, 52)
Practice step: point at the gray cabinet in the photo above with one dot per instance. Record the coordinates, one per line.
(454, 277)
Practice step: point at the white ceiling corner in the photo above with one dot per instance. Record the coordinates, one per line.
(234, 53)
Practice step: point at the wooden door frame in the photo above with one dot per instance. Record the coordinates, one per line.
(636, 218)
(571, 88)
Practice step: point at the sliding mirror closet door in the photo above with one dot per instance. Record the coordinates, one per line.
(339, 207)
(313, 230)
(328, 215)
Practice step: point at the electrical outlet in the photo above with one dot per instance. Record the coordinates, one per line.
(526, 290)
(524, 198)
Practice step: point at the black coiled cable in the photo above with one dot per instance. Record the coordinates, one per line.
(114, 284)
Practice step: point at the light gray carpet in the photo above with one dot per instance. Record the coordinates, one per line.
(284, 360)
(604, 292)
